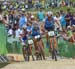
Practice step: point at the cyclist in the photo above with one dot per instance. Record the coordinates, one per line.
(39, 46)
(49, 27)
(30, 40)
(23, 39)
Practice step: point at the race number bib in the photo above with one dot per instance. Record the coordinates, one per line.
(30, 41)
(51, 33)
(37, 37)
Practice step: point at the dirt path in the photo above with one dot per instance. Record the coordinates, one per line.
(47, 64)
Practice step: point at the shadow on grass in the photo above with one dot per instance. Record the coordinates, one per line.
(3, 64)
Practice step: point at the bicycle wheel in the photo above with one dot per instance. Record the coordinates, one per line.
(55, 54)
(54, 51)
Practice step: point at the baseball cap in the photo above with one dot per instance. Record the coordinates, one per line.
(32, 16)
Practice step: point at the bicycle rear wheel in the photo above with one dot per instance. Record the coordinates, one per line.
(54, 51)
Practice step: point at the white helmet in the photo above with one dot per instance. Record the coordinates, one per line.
(49, 13)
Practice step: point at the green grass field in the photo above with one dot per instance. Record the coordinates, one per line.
(65, 48)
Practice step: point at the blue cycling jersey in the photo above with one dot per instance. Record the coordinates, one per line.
(35, 31)
(24, 38)
(49, 24)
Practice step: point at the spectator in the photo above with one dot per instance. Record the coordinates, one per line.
(41, 15)
(22, 20)
(73, 20)
(10, 31)
(57, 21)
(68, 18)
(17, 31)
(63, 21)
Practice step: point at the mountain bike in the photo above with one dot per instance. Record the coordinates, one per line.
(53, 44)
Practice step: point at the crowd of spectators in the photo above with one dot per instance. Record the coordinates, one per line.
(64, 23)
(22, 5)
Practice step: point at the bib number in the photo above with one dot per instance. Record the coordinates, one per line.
(51, 33)
(30, 41)
(37, 37)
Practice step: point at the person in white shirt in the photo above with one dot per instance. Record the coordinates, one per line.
(10, 31)
(57, 19)
(18, 33)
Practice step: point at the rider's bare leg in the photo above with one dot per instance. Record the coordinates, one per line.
(30, 46)
(35, 46)
(24, 52)
(42, 49)
(51, 46)
(55, 43)
(51, 43)
(47, 37)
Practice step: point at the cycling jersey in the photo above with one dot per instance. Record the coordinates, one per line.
(49, 25)
(29, 28)
(24, 37)
(35, 31)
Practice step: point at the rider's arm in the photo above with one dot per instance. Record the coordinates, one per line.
(57, 22)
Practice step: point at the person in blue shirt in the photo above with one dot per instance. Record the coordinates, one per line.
(41, 15)
(29, 29)
(49, 25)
(73, 20)
(24, 34)
(39, 52)
(22, 21)
(63, 21)
(35, 30)
(68, 18)
(51, 40)
(49, 22)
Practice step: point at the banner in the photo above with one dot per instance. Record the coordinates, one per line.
(3, 39)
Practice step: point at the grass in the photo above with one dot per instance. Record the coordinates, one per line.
(65, 49)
